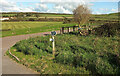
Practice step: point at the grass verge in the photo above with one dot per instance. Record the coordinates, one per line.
(74, 54)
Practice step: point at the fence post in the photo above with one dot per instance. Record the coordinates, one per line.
(53, 46)
(62, 30)
(68, 29)
(89, 30)
(73, 28)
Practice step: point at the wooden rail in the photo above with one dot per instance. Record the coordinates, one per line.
(69, 29)
(75, 28)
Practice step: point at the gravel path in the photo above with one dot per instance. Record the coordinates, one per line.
(8, 65)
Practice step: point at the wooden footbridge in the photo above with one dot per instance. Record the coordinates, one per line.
(82, 30)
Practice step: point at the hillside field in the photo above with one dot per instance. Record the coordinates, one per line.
(18, 28)
(11, 28)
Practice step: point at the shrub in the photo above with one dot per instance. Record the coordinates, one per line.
(103, 67)
(5, 16)
(109, 29)
(66, 20)
(31, 19)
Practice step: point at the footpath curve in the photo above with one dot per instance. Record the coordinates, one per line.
(8, 65)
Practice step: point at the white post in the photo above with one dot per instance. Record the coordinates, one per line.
(53, 46)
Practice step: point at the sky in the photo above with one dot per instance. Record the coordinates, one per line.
(58, 6)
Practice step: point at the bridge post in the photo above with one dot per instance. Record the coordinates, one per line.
(73, 28)
(68, 29)
(62, 30)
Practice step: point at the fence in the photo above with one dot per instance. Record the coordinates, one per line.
(69, 29)
(75, 28)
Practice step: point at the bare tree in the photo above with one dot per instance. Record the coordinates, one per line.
(81, 14)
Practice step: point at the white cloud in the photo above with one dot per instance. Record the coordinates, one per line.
(58, 9)
(12, 7)
(69, 6)
(40, 7)
(104, 9)
(66, 7)
(114, 10)
(8, 6)
(61, 6)
(61, 9)
(29, 9)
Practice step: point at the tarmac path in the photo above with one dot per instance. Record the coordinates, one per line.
(8, 65)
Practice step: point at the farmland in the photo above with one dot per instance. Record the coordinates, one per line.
(47, 22)
(18, 28)
(112, 16)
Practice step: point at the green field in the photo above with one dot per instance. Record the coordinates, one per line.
(18, 28)
(111, 17)
(27, 27)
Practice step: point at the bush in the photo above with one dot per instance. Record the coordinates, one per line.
(103, 67)
(66, 20)
(109, 29)
(31, 19)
